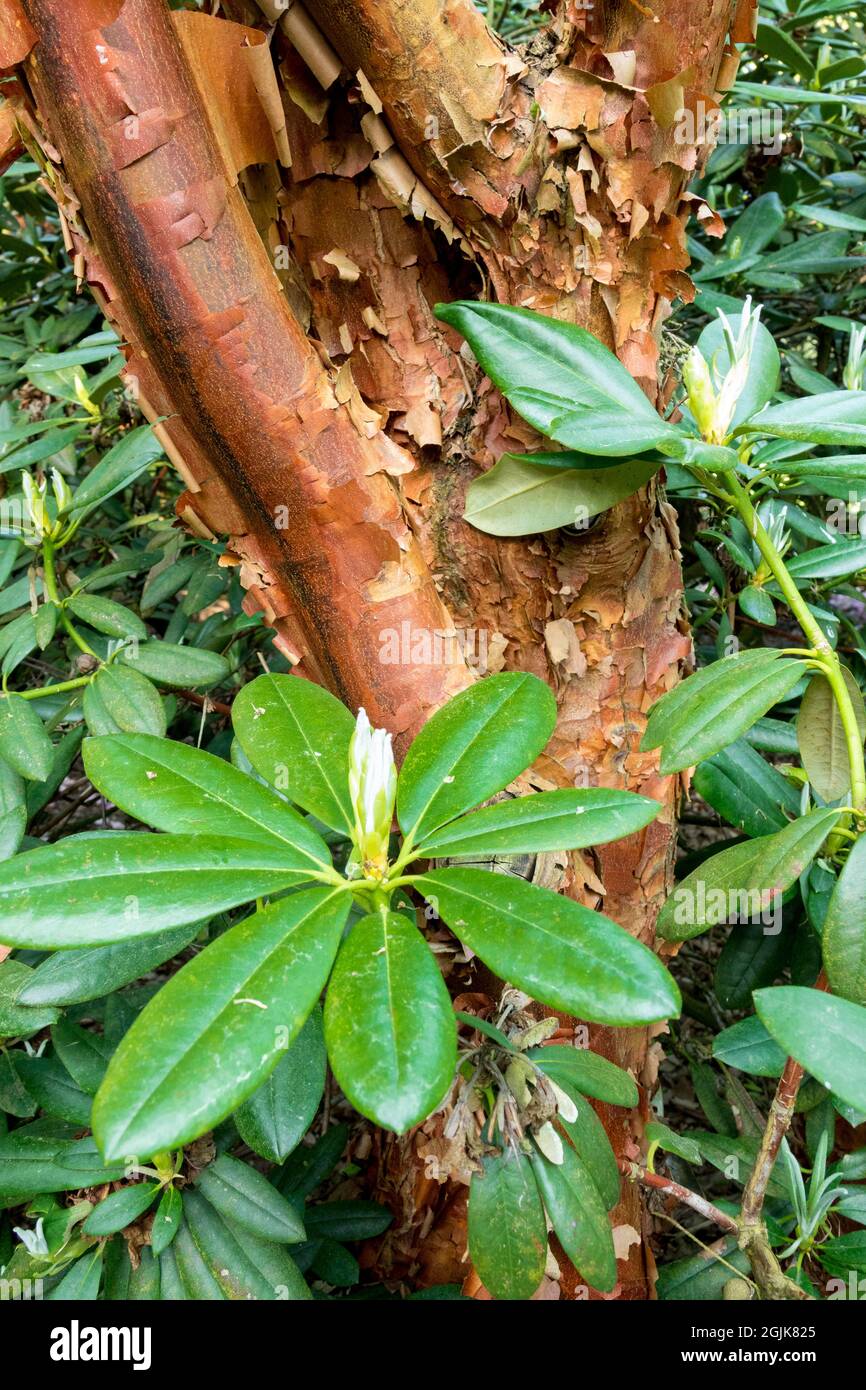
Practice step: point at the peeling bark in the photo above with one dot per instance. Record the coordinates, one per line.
(283, 323)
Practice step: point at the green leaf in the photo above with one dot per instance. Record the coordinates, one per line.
(245, 1197)
(53, 1088)
(524, 352)
(277, 1116)
(561, 953)
(751, 957)
(520, 498)
(589, 1073)
(297, 735)
(711, 709)
(780, 45)
(104, 615)
(837, 417)
(746, 790)
(545, 821)
(93, 891)
(43, 1157)
(829, 561)
(120, 1209)
(195, 1274)
(824, 1034)
(72, 977)
(84, 1054)
(120, 700)
(168, 664)
(176, 788)
(840, 1254)
(578, 1215)
(471, 748)
(350, 1220)
(821, 735)
(757, 604)
(81, 1283)
(44, 625)
(697, 1278)
(13, 810)
(243, 1000)
(844, 934)
(389, 1026)
(507, 1229)
(24, 744)
(735, 1155)
(764, 366)
(745, 881)
(17, 1019)
(166, 1221)
(667, 1139)
(123, 463)
(588, 1136)
(235, 1257)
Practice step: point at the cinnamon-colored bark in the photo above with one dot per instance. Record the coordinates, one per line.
(438, 165)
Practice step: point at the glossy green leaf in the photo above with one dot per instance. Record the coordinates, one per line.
(578, 1215)
(837, 417)
(72, 977)
(45, 1157)
(16, 1018)
(296, 735)
(589, 1073)
(714, 707)
(168, 664)
(195, 1273)
(751, 957)
(119, 1209)
(520, 498)
(834, 561)
(13, 810)
(389, 1026)
(472, 748)
(824, 1034)
(523, 351)
(243, 1000)
(746, 881)
(507, 1228)
(764, 366)
(757, 604)
(547, 821)
(750, 793)
(349, 1220)
(121, 700)
(93, 891)
(562, 954)
(24, 744)
(81, 1282)
(275, 1118)
(244, 1196)
(671, 1142)
(844, 934)
(53, 1088)
(223, 1252)
(176, 788)
(588, 1136)
(840, 1254)
(171, 1286)
(821, 735)
(166, 1220)
(125, 460)
(104, 615)
(84, 1054)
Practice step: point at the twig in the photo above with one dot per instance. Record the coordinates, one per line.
(682, 1194)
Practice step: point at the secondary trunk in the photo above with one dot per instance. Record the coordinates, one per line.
(282, 321)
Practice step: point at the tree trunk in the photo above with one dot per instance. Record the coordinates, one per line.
(281, 331)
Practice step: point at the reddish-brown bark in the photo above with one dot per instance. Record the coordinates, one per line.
(441, 164)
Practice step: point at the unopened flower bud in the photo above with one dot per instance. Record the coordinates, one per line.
(373, 790)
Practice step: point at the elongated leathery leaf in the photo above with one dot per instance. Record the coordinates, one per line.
(241, 1001)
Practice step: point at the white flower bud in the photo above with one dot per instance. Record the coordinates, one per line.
(713, 400)
(34, 501)
(373, 789)
(855, 367)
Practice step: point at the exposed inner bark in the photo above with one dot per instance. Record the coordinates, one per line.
(327, 395)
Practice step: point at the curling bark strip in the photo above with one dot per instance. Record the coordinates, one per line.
(188, 282)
